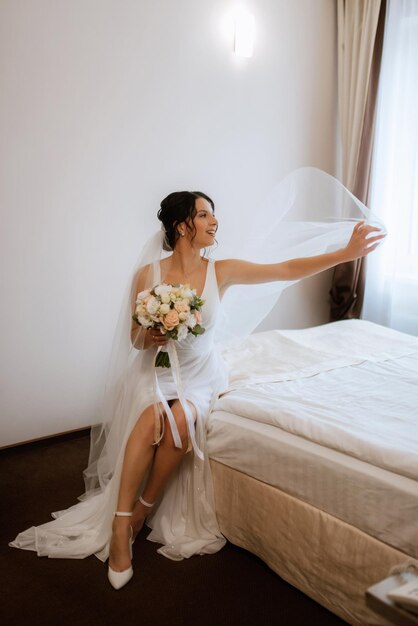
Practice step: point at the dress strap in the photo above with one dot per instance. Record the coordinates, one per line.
(212, 278)
(211, 269)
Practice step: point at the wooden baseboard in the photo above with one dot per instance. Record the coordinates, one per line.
(50, 439)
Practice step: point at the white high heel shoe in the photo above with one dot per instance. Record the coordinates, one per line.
(119, 579)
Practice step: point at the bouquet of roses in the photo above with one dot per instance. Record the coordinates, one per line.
(173, 309)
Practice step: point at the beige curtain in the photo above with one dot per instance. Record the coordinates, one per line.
(360, 39)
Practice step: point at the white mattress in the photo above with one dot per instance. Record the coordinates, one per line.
(333, 420)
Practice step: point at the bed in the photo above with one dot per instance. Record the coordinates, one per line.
(314, 455)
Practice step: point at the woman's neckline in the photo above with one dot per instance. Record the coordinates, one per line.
(206, 276)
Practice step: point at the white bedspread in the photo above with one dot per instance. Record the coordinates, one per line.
(351, 386)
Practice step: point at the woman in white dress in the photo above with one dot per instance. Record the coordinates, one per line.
(148, 458)
(190, 225)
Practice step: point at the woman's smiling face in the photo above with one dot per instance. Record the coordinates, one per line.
(205, 224)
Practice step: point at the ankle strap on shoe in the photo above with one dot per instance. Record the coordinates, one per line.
(145, 503)
(123, 514)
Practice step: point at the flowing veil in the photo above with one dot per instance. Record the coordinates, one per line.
(308, 213)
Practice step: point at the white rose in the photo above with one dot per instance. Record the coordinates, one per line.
(160, 289)
(165, 298)
(144, 321)
(183, 316)
(152, 305)
(191, 320)
(182, 332)
(164, 309)
(140, 311)
(189, 293)
(142, 295)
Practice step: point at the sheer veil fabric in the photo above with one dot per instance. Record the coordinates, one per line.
(308, 213)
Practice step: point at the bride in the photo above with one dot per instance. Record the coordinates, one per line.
(148, 459)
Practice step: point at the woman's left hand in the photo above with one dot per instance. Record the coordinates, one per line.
(360, 244)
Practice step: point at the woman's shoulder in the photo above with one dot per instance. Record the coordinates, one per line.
(231, 272)
(143, 276)
(142, 271)
(222, 264)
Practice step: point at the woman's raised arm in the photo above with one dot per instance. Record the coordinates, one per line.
(233, 271)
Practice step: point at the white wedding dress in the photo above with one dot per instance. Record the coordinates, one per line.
(184, 519)
(308, 213)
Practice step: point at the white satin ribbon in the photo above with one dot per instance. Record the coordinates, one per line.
(170, 416)
(175, 368)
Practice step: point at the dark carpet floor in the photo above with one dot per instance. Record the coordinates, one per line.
(232, 587)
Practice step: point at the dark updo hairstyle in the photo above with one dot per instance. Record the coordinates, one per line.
(176, 208)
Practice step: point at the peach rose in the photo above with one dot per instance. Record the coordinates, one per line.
(171, 320)
(182, 307)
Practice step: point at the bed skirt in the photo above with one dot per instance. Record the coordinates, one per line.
(327, 559)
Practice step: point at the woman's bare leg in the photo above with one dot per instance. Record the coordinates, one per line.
(166, 459)
(139, 453)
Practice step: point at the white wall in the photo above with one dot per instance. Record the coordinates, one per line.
(105, 107)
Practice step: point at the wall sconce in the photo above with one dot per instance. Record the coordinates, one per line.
(244, 34)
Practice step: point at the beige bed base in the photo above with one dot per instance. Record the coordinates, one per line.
(329, 560)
